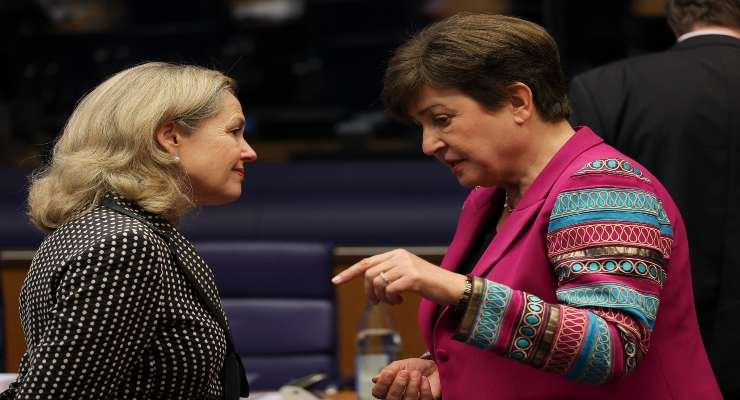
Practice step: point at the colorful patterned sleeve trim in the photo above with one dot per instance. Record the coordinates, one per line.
(642, 306)
(615, 166)
(582, 345)
(608, 248)
(609, 204)
(481, 323)
(576, 267)
(565, 340)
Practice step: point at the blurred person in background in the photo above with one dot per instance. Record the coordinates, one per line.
(568, 276)
(678, 113)
(117, 303)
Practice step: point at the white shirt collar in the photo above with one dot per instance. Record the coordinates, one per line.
(710, 31)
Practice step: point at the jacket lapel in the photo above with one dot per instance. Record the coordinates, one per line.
(198, 273)
(519, 222)
(476, 208)
(201, 279)
(472, 219)
(204, 281)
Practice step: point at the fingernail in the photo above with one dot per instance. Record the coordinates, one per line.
(336, 280)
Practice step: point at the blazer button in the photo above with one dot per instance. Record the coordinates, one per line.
(442, 355)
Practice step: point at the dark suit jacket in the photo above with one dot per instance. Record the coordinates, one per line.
(678, 113)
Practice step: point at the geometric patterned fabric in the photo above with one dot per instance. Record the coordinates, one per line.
(608, 247)
(613, 166)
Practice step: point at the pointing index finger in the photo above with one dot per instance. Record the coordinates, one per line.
(359, 268)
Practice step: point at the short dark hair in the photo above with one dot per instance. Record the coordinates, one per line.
(683, 15)
(480, 55)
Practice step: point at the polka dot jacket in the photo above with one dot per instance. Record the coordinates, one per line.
(108, 314)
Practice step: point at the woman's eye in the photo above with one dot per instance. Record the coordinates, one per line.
(442, 120)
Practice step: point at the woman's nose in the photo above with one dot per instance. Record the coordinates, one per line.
(248, 153)
(430, 143)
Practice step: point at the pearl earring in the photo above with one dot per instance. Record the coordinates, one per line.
(177, 159)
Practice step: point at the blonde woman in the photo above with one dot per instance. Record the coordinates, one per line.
(117, 303)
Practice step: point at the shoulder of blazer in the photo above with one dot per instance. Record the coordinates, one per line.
(115, 225)
(96, 234)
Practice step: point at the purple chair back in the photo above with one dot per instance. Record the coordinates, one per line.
(280, 305)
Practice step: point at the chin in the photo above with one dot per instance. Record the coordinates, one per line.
(477, 177)
(231, 197)
(469, 181)
(219, 199)
(466, 184)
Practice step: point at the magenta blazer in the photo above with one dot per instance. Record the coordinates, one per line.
(587, 291)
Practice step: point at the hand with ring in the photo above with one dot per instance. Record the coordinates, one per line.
(389, 274)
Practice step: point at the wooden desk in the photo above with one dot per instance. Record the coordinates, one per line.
(13, 268)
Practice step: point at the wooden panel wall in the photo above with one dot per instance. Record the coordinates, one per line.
(13, 269)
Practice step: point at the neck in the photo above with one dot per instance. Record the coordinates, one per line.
(547, 139)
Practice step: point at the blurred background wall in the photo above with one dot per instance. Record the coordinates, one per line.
(333, 173)
(309, 70)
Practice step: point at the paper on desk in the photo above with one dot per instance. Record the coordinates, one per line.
(265, 396)
(6, 380)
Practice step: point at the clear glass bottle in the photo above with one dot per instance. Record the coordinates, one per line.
(377, 346)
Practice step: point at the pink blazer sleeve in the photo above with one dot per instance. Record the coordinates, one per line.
(608, 241)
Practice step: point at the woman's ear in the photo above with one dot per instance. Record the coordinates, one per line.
(167, 136)
(522, 102)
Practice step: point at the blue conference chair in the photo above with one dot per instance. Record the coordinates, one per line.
(280, 305)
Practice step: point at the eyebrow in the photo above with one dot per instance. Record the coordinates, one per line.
(426, 109)
(240, 120)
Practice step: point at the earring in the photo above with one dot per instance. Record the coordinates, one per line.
(177, 159)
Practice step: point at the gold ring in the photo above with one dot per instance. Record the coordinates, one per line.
(385, 278)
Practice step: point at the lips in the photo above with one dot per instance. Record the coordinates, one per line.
(454, 164)
(239, 171)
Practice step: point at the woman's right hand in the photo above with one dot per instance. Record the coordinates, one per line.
(408, 379)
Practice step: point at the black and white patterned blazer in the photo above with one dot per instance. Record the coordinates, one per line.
(108, 314)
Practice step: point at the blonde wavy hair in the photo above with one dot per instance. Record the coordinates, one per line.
(109, 145)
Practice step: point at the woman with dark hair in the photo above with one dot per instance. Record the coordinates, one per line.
(568, 276)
